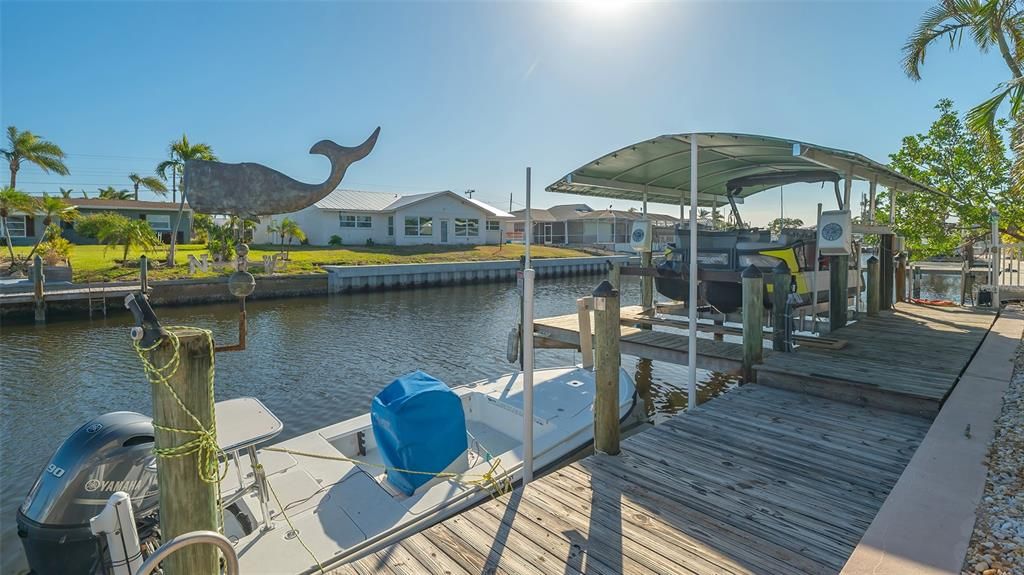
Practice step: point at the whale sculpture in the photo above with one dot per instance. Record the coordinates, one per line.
(251, 190)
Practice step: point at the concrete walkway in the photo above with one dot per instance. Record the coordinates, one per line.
(925, 524)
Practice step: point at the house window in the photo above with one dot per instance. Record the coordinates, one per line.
(519, 227)
(391, 225)
(493, 226)
(467, 227)
(417, 226)
(353, 221)
(15, 225)
(159, 223)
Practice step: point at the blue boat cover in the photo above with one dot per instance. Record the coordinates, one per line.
(419, 426)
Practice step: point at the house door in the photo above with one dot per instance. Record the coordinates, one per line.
(444, 231)
(548, 228)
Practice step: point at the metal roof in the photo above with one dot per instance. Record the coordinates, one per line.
(745, 163)
(356, 201)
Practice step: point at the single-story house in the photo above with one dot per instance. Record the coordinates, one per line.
(25, 228)
(385, 218)
(579, 224)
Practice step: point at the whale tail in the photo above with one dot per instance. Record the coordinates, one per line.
(343, 156)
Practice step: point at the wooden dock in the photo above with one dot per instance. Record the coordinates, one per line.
(760, 480)
(907, 360)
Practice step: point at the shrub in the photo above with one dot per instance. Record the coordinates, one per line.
(55, 250)
(334, 241)
(369, 242)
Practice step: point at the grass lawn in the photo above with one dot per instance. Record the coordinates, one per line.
(93, 263)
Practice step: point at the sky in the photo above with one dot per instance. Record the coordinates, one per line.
(467, 94)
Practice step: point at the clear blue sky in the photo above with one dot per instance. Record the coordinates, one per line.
(467, 94)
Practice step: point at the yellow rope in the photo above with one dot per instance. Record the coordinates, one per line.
(204, 445)
(496, 479)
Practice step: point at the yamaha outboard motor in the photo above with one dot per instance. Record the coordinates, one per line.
(113, 452)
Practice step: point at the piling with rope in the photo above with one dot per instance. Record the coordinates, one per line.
(180, 368)
(874, 286)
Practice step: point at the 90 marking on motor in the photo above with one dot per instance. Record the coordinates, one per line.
(54, 470)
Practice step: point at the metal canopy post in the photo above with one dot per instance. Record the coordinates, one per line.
(691, 305)
(872, 200)
(847, 188)
(527, 348)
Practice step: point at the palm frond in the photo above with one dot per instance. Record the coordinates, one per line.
(941, 20)
(982, 118)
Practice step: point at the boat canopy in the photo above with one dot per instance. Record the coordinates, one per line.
(736, 165)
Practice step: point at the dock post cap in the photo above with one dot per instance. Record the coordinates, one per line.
(873, 260)
(751, 271)
(781, 267)
(605, 289)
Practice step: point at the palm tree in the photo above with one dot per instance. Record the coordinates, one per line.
(988, 23)
(290, 229)
(116, 229)
(151, 183)
(12, 200)
(273, 229)
(66, 193)
(28, 147)
(51, 207)
(181, 151)
(109, 193)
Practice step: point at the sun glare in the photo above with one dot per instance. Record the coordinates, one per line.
(604, 8)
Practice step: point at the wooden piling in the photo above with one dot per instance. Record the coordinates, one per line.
(606, 368)
(719, 333)
(915, 283)
(583, 306)
(753, 320)
(38, 281)
(886, 270)
(187, 503)
(615, 274)
(781, 279)
(144, 273)
(838, 293)
(901, 277)
(646, 286)
(874, 286)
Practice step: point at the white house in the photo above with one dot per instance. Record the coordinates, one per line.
(432, 218)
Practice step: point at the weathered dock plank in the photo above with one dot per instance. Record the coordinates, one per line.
(759, 480)
(907, 359)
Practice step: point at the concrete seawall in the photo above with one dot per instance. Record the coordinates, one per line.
(343, 279)
(339, 279)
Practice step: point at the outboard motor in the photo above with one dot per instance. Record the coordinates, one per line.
(113, 452)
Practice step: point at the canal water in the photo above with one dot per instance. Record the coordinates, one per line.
(312, 361)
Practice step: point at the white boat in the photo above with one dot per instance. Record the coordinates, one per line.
(342, 509)
(326, 497)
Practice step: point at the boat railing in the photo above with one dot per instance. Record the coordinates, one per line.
(192, 538)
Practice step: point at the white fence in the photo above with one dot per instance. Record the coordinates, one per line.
(1011, 260)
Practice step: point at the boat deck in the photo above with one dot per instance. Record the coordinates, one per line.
(907, 359)
(760, 480)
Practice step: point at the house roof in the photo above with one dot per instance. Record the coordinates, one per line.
(536, 215)
(626, 215)
(105, 204)
(569, 211)
(359, 201)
